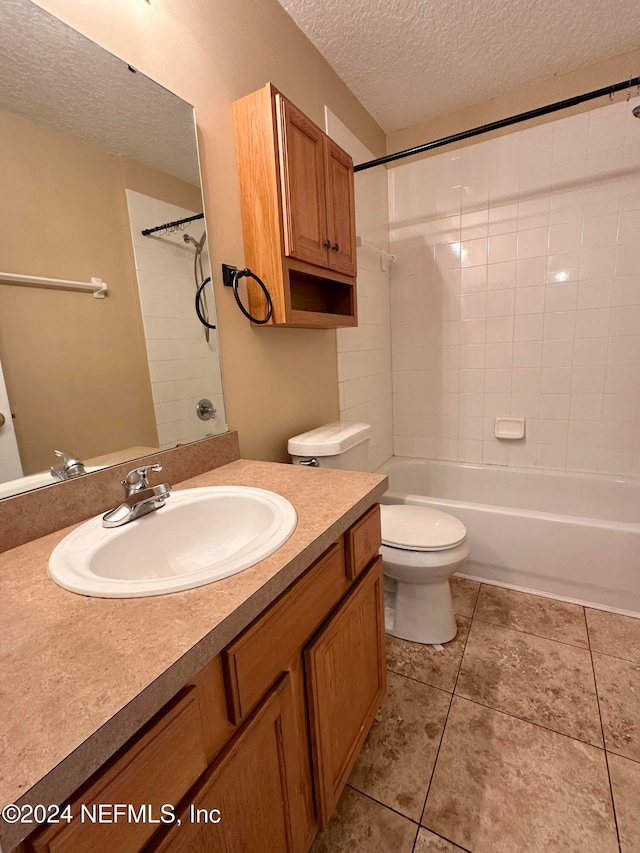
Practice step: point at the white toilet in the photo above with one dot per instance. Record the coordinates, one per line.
(421, 547)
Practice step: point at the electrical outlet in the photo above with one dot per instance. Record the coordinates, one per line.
(228, 272)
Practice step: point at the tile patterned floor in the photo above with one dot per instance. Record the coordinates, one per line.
(521, 736)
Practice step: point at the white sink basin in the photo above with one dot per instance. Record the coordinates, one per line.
(199, 536)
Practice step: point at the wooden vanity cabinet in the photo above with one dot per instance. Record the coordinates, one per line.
(242, 802)
(267, 733)
(298, 214)
(346, 680)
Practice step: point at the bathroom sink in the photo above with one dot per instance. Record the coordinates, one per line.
(199, 536)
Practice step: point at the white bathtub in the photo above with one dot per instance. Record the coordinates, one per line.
(574, 536)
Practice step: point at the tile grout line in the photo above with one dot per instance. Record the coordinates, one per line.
(530, 722)
(606, 757)
(446, 719)
(583, 607)
(417, 681)
(384, 805)
(615, 657)
(448, 841)
(531, 634)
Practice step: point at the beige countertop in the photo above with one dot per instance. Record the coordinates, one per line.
(79, 676)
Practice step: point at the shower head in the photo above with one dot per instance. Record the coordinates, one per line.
(199, 244)
(636, 111)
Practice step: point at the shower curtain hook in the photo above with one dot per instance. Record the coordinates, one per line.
(629, 89)
(612, 95)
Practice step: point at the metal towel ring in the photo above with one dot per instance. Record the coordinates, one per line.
(246, 273)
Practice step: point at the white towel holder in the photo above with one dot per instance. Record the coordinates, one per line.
(386, 258)
(96, 286)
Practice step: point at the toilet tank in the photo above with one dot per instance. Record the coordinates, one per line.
(336, 445)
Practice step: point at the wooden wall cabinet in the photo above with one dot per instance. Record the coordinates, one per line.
(267, 733)
(298, 214)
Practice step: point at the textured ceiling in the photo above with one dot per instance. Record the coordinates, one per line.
(410, 60)
(56, 77)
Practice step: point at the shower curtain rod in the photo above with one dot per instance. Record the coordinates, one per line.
(503, 122)
(175, 224)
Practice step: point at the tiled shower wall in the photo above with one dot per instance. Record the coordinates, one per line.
(364, 353)
(517, 293)
(183, 366)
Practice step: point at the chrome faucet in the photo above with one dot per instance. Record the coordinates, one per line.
(140, 498)
(69, 468)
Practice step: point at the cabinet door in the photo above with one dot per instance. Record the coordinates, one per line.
(302, 177)
(158, 767)
(242, 802)
(341, 221)
(346, 680)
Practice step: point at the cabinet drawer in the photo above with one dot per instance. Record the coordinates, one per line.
(159, 767)
(363, 542)
(254, 661)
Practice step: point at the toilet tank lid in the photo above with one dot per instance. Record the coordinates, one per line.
(329, 440)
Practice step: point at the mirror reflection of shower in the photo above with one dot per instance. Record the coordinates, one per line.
(198, 275)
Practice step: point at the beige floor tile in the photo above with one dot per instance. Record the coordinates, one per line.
(426, 664)
(465, 594)
(397, 760)
(612, 634)
(359, 825)
(539, 680)
(618, 684)
(502, 785)
(427, 842)
(625, 781)
(545, 617)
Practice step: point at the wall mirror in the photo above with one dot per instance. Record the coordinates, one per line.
(93, 153)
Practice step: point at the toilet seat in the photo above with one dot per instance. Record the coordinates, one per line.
(419, 528)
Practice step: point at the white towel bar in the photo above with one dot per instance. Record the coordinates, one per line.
(386, 258)
(96, 286)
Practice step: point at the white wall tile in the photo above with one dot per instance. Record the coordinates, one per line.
(555, 380)
(527, 353)
(526, 380)
(595, 293)
(531, 271)
(600, 231)
(502, 247)
(561, 297)
(501, 276)
(473, 279)
(528, 327)
(553, 456)
(500, 303)
(499, 329)
(530, 300)
(590, 351)
(557, 353)
(586, 407)
(364, 353)
(554, 406)
(593, 323)
(517, 291)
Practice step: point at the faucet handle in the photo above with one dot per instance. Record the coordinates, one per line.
(69, 468)
(138, 479)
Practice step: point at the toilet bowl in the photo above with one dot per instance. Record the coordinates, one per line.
(421, 547)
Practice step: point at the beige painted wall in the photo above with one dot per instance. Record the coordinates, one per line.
(75, 366)
(277, 381)
(596, 76)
